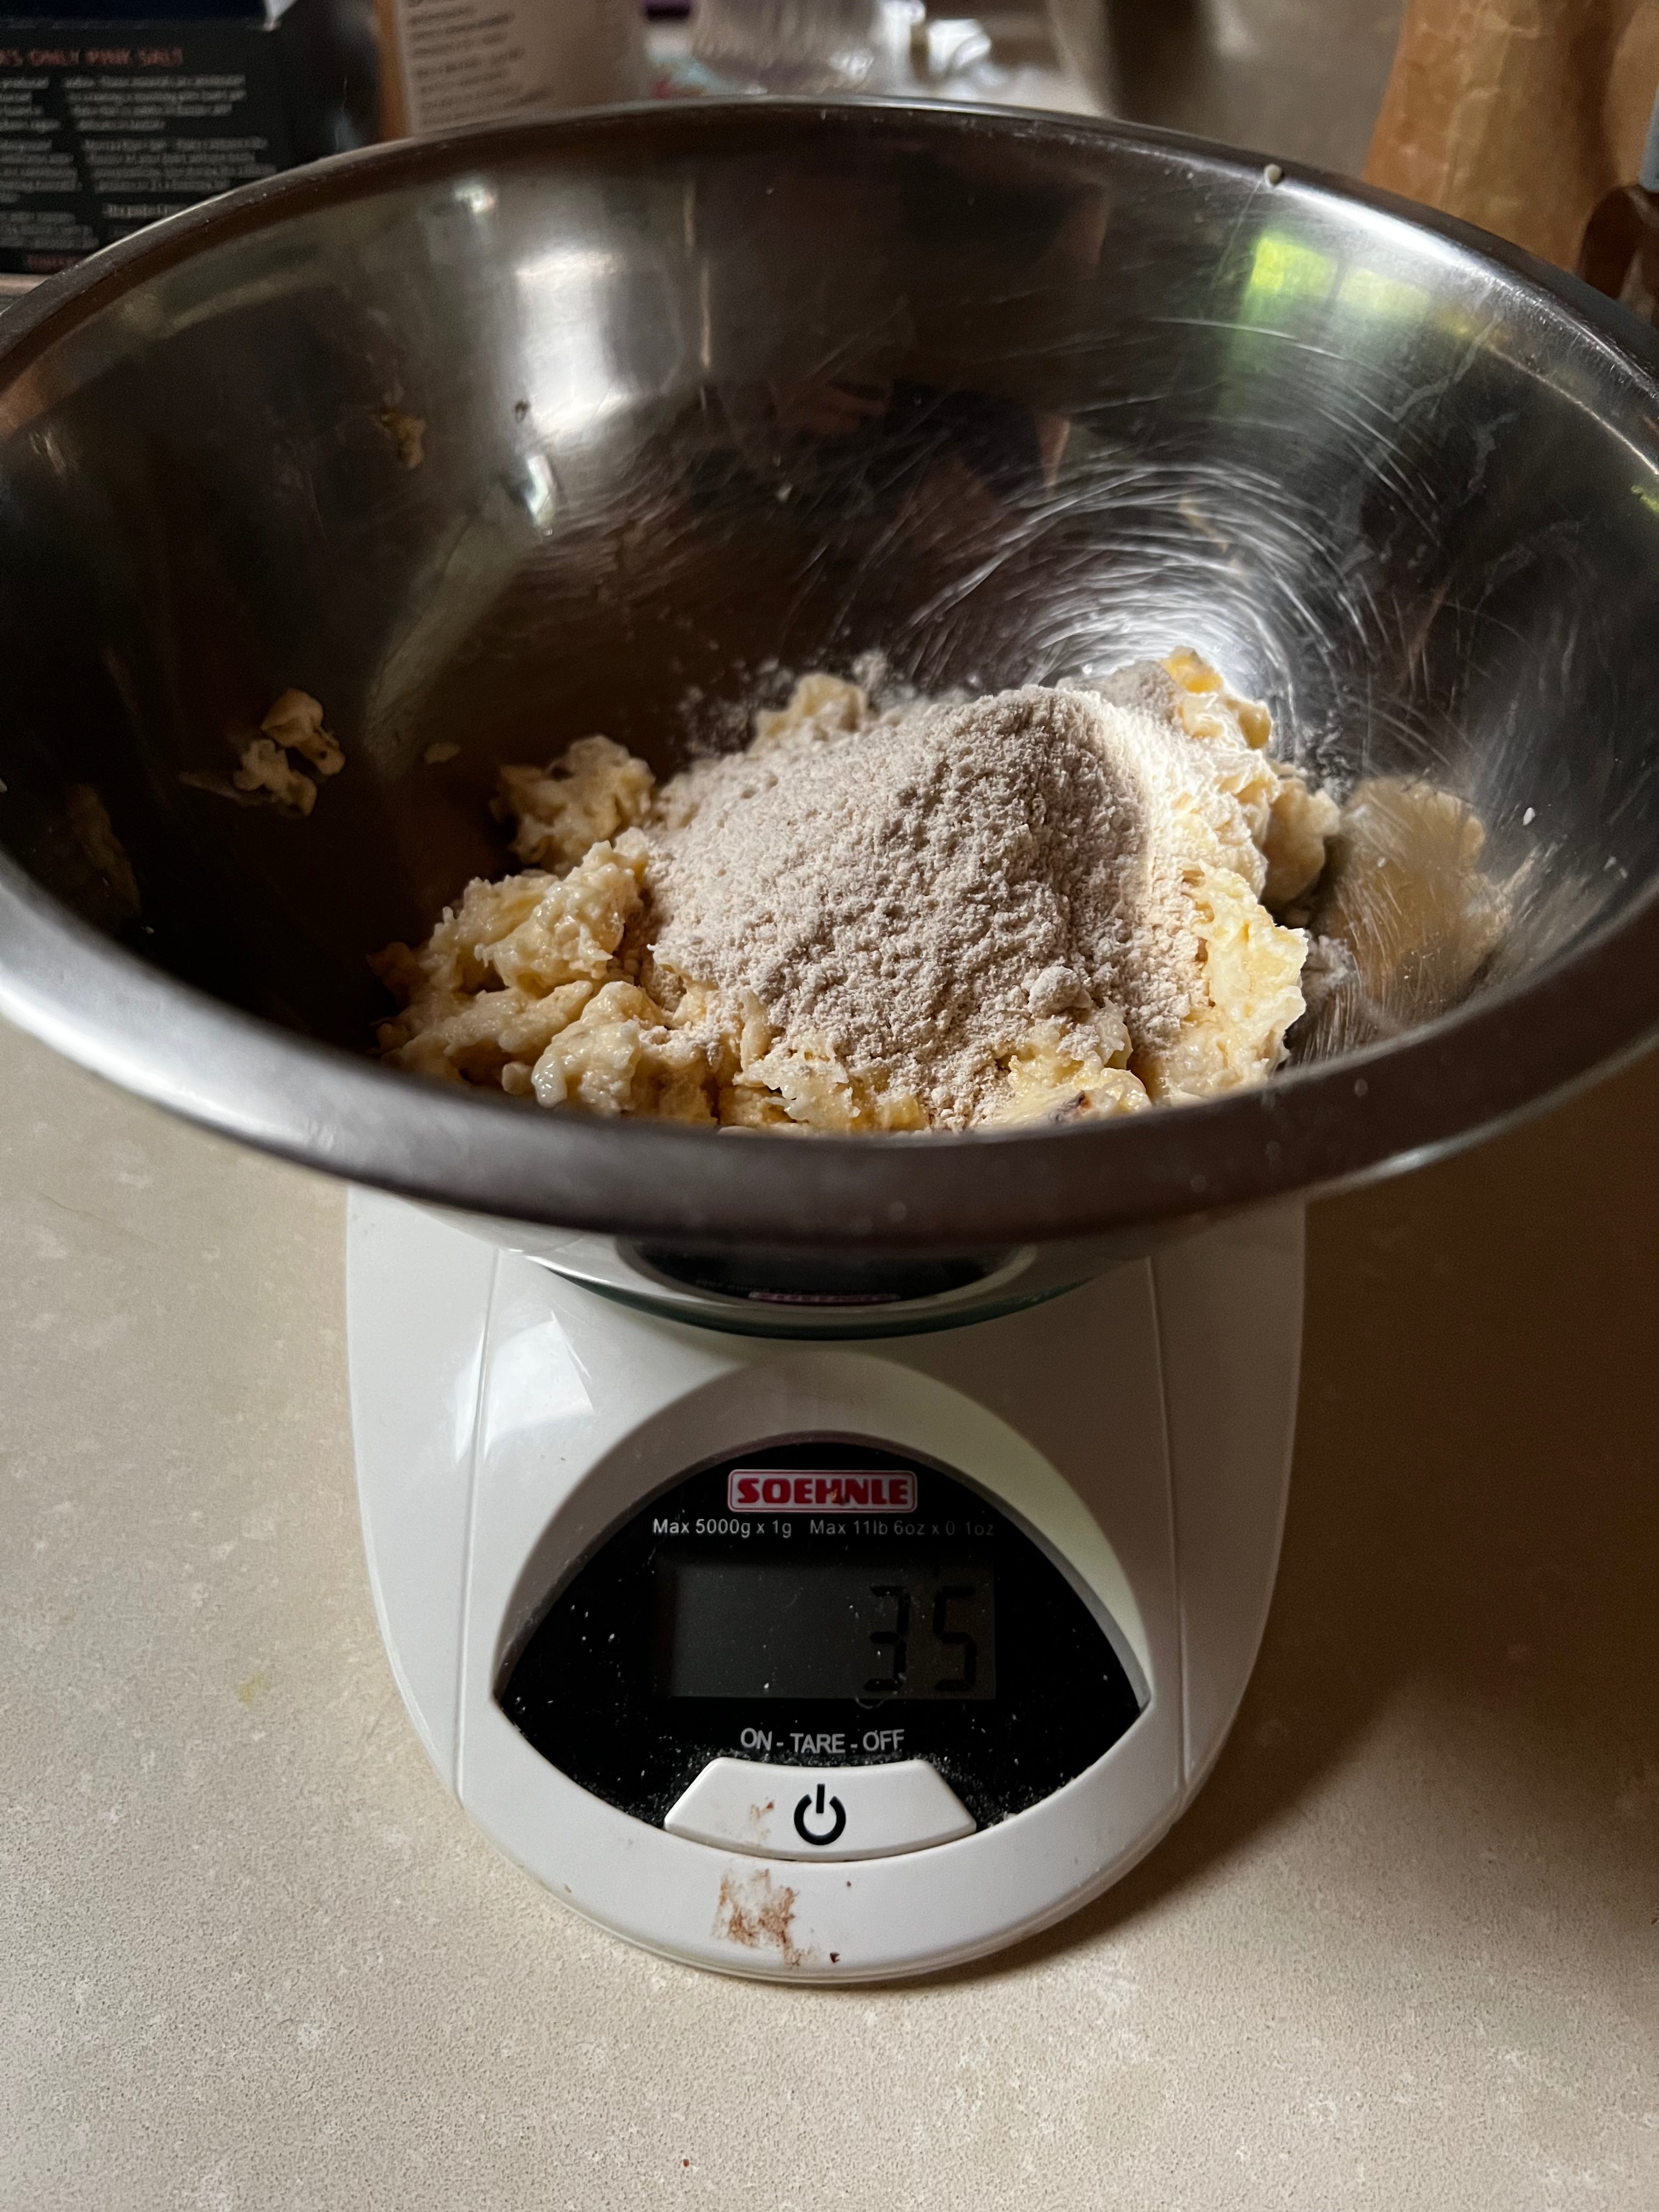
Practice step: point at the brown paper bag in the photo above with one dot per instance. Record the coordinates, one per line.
(1518, 114)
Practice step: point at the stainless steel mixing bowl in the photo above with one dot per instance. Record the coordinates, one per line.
(714, 392)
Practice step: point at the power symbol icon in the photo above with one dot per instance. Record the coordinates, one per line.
(828, 1835)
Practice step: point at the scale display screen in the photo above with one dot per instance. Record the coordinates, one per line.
(819, 1602)
(886, 1627)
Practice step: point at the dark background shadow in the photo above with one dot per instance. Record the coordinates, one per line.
(1299, 78)
(1471, 1561)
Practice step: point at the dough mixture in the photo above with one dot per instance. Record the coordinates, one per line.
(1037, 906)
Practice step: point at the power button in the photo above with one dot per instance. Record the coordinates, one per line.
(813, 1830)
(820, 1812)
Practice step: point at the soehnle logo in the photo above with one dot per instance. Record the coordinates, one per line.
(820, 1490)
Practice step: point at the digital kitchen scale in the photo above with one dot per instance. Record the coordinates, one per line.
(831, 1658)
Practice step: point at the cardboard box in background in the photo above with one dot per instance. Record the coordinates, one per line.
(108, 123)
(450, 63)
(1518, 115)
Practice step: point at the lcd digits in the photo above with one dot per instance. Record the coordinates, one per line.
(870, 1631)
(964, 1595)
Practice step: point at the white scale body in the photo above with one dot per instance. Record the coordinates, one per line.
(1136, 1429)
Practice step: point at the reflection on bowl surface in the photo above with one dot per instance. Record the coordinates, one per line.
(614, 422)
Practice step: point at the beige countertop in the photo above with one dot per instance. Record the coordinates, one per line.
(1404, 1951)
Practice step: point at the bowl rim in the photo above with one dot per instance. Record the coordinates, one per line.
(1383, 1108)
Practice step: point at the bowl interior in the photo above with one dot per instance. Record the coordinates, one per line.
(714, 398)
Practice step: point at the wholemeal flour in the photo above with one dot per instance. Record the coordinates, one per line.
(916, 888)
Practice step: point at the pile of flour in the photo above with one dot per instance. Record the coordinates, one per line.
(916, 890)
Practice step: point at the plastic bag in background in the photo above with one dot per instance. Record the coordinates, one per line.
(1519, 115)
(786, 45)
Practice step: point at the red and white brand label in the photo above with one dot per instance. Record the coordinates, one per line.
(819, 1490)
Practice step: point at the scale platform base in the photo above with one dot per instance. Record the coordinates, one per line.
(1138, 1428)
